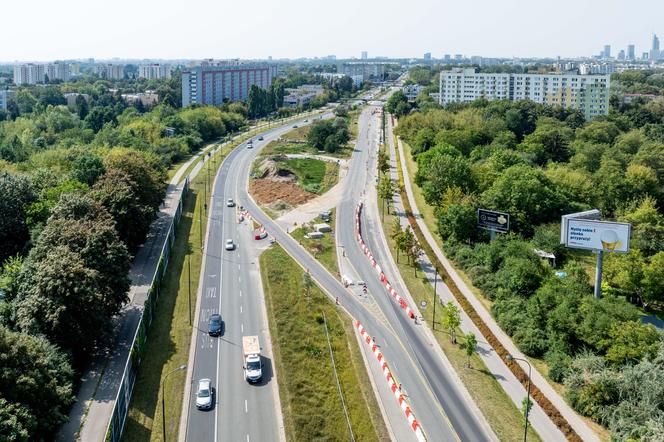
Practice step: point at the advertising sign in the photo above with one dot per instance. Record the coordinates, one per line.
(492, 220)
(598, 235)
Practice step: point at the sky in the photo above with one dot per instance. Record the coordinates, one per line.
(193, 29)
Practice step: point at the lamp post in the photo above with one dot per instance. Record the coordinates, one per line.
(163, 413)
(527, 411)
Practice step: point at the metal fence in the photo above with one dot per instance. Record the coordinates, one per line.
(123, 398)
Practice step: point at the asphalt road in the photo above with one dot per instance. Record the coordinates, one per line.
(430, 391)
(231, 286)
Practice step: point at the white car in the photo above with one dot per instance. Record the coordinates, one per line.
(230, 203)
(230, 245)
(204, 394)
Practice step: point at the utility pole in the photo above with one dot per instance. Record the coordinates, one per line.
(598, 274)
(200, 224)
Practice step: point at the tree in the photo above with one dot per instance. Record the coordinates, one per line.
(87, 169)
(383, 161)
(527, 195)
(631, 341)
(549, 142)
(396, 233)
(457, 222)
(405, 242)
(35, 387)
(82, 107)
(386, 190)
(413, 252)
(396, 99)
(470, 345)
(17, 193)
(445, 172)
(451, 319)
(75, 278)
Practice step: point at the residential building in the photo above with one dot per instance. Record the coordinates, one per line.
(427, 56)
(621, 55)
(5, 96)
(147, 98)
(58, 71)
(333, 76)
(630, 52)
(109, 71)
(589, 93)
(412, 90)
(447, 58)
(212, 84)
(302, 95)
(154, 71)
(368, 71)
(29, 73)
(71, 98)
(364, 55)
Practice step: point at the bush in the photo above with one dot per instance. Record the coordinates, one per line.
(559, 364)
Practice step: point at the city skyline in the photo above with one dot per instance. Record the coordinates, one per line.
(574, 36)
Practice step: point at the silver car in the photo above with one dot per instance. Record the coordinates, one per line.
(204, 394)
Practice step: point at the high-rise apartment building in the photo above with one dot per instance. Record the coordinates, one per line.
(5, 97)
(364, 55)
(589, 93)
(370, 70)
(621, 54)
(58, 71)
(631, 52)
(29, 73)
(109, 71)
(212, 84)
(427, 56)
(154, 71)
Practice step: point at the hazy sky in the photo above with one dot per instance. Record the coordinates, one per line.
(47, 29)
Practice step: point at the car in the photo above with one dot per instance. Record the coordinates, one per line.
(260, 138)
(214, 325)
(306, 121)
(230, 203)
(204, 394)
(295, 126)
(230, 245)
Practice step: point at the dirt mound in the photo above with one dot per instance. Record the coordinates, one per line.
(271, 191)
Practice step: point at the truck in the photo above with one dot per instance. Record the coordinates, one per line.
(251, 350)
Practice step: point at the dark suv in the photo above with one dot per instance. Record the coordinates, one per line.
(214, 325)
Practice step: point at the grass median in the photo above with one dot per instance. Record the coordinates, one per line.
(310, 402)
(170, 333)
(323, 249)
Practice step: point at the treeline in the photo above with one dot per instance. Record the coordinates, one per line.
(537, 163)
(80, 187)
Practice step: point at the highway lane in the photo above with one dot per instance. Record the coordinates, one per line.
(428, 397)
(230, 285)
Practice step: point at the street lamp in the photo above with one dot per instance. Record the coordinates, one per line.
(163, 413)
(512, 358)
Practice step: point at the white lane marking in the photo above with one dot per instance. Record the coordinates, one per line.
(221, 274)
(240, 293)
(238, 267)
(242, 328)
(240, 309)
(247, 438)
(246, 408)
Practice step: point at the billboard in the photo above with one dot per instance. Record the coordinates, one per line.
(492, 220)
(598, 235)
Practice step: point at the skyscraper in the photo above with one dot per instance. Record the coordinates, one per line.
(364, 55)
(427, 56)
(621, 54)
(607, 51)
(630, 52)
(654, 52)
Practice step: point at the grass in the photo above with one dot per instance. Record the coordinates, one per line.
(496, 406)
(313, 175)
(170, 333)
(309, 398)
(323, 249)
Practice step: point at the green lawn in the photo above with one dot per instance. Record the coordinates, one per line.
(170, 333)
(316, 176)
(323, 249)
(310, 401)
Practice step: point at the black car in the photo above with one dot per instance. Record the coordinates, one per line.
(214, 325)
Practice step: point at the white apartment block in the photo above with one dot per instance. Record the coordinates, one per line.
(58, 71)
(29, 73)
(109, 71)
(154, 71)
(589, 93)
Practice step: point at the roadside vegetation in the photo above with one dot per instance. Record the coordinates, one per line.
(538, 163)
(310, 401)
(323, 249)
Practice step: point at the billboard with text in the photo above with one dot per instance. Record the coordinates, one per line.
(598, 235)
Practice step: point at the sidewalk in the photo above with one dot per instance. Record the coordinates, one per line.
(542, 423)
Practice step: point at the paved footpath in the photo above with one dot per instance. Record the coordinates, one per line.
(540, 421)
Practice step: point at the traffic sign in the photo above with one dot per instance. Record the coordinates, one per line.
(423, 304)
(493, 220)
